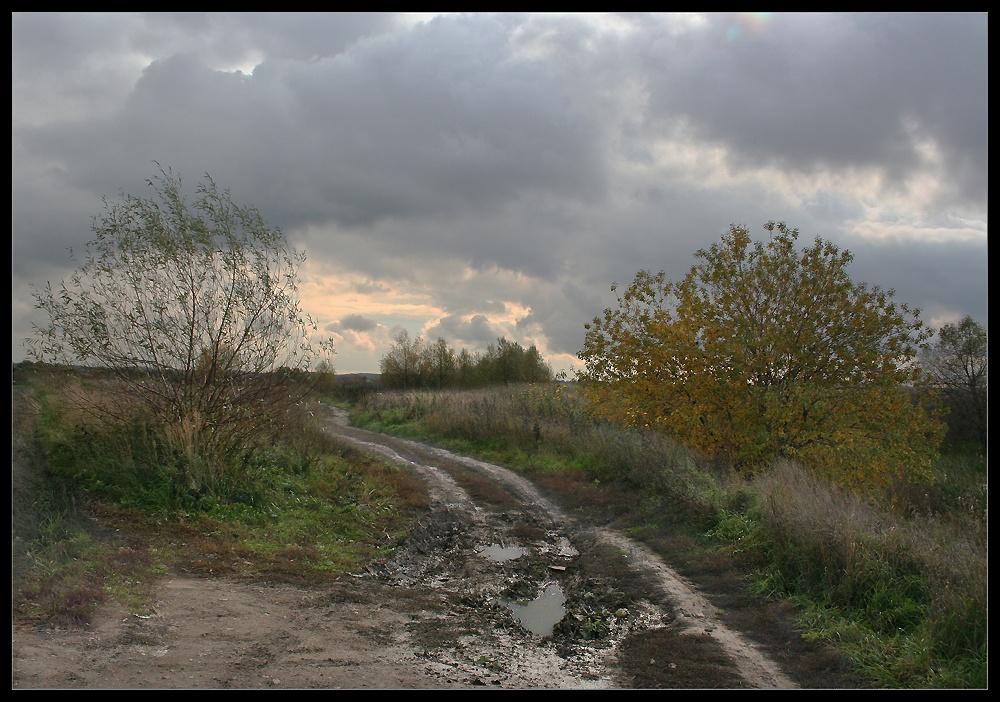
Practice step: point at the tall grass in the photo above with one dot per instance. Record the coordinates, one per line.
(305, 509)
(897, 582)
(536, 427)
(60, 573)
(903, 594)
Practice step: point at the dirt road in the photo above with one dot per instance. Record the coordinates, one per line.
(498, 588)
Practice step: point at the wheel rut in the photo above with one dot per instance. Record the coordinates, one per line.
(690, 613)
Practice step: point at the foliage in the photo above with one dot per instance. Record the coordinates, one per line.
(400, 367)
(415, 363)
(959, 366)
(314, 510)
(762, 351)
(60, 573)
(191, 312)
(902, 593)
(507, 362)
(897, 584)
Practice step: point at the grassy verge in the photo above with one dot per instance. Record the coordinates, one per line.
(93, 524)
(902, 593)
(896, 582)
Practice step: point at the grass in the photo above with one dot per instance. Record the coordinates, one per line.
(95, 525)
(896, 581)
(903, 595)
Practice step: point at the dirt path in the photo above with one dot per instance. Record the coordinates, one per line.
(691, 610)
(498, 587)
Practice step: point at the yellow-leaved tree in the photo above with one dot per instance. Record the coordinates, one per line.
(765, 351)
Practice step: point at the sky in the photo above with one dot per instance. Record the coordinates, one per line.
(477, 176)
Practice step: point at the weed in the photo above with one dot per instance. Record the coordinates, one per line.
(303, 510)
(896, 582)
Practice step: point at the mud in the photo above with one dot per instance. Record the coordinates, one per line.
(445, 611)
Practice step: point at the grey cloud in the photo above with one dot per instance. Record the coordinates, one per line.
(924, 275)
(371, 287)
(436, 121)
(357, 322)
(296, 35)
(489, 159)
(475, 333)
(830, 90)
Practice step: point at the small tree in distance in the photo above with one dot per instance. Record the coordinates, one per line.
(959, 363)
(415, 363)
(763, 351)
(193, 311)
(401, 367)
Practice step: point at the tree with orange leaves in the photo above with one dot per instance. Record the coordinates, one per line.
(764, 351)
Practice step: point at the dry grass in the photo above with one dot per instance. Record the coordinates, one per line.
(898, 582)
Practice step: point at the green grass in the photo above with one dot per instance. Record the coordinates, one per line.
(901, 592)
(896, 582)
(306, 510)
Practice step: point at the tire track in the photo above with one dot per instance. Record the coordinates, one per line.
(692, 608)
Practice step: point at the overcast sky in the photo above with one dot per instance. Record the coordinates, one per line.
(476, 176)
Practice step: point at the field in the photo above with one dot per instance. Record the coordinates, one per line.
(896, 585)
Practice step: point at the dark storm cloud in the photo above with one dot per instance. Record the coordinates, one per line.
(301, 36)
(944, 280)
(492, 162)
(830, 90)
(439, 120)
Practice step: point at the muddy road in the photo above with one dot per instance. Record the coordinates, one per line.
(498, 587)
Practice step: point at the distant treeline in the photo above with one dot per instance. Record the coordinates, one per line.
(415, 363)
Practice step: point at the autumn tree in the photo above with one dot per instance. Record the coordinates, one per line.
(764, 351)
(191, 309)
(958, 363)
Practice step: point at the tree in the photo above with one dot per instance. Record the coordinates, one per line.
(466, 369)
(412, 363)
(192, 309)
(508, 362)
(534, 367)
(401, 367)
(959, 365)
(503, 361)
(442, 364)
(762, 351)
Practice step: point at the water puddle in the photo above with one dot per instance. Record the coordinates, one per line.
(501, 554)
(540, 615)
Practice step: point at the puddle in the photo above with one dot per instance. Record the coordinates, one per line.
(501, 554)
(540, 615)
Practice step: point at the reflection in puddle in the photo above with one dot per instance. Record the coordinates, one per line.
(501, 553)
(540, 615)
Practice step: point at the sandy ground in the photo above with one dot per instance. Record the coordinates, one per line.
(498, 587)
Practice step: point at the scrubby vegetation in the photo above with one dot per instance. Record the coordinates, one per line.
(895, 580)
(186, 427)
(304, 509)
